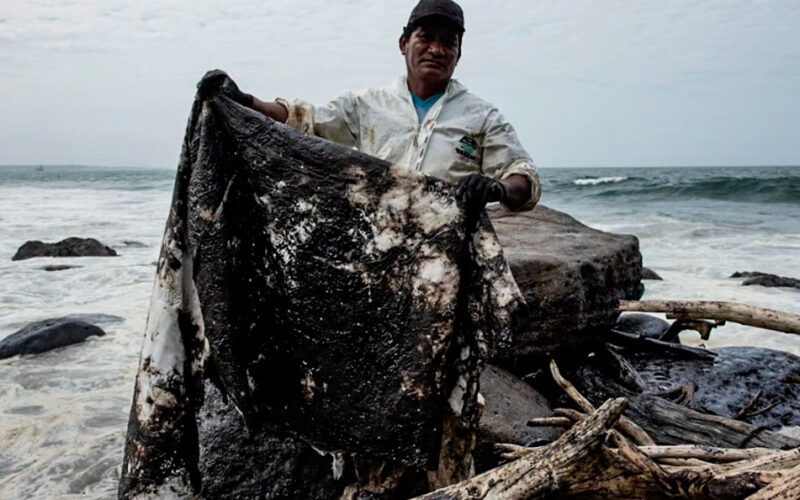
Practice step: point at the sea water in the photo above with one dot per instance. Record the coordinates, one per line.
(63, 414)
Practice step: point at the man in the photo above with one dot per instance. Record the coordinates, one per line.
(426, 120)
(429, 122)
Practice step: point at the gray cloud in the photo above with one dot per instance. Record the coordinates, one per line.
(585, 82)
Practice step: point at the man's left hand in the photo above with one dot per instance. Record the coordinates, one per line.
(477, 190)
(217, 80)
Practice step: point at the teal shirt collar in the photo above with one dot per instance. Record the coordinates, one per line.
(421, 106)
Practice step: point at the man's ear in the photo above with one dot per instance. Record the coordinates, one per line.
(403, 43)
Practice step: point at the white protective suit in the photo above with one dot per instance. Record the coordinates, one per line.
(460, 135)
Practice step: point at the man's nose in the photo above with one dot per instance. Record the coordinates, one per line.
(436, 48)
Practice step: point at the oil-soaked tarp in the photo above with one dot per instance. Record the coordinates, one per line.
(327, 293)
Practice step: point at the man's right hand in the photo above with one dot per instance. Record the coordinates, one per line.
(218, 81)
(477, 190)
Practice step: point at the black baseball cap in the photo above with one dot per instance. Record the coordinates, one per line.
(446, 9)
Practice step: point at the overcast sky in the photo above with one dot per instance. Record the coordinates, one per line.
(586, 83)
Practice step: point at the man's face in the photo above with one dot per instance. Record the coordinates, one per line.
(431, 52)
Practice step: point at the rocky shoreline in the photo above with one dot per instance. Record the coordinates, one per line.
(572, 278)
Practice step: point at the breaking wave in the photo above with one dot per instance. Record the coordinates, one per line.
(736, 189)
(594, 181)
(768, 186)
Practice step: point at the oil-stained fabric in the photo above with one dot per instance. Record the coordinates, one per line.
(327, 293)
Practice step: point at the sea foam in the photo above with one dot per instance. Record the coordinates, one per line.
(599, 180)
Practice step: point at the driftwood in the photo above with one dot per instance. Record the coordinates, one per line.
(787, 488)
(749, 410)
(698, 455)
(675, 424)
(707, 453)
(670, 423)
(541, 473)
(725, 311)
(625, 425)
(658, 452)
(550, 422)
(582, 464)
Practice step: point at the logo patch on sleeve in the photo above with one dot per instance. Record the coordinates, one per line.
(467, 147)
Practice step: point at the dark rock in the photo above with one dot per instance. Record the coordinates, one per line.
(649, 274)
(58, 268)
(70, 247)
(237, 464)
(766, 279)
(133, 244)
(748, 274)
(46, 335)
(572, 277)
(510, 404)
(642, 324)
(729, 382)
(772, 281)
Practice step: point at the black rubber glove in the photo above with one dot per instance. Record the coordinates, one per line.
(217, 80)
(477, 190)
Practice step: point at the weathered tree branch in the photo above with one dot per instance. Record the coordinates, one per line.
(727, 311)
(625, 425)
(578, 464)
(674, 424)
(706, 453)
(540, 475)
(658, 453)
(787, 488)
(749, 406)
(550, 422)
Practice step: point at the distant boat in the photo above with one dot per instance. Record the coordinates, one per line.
(40, 168)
